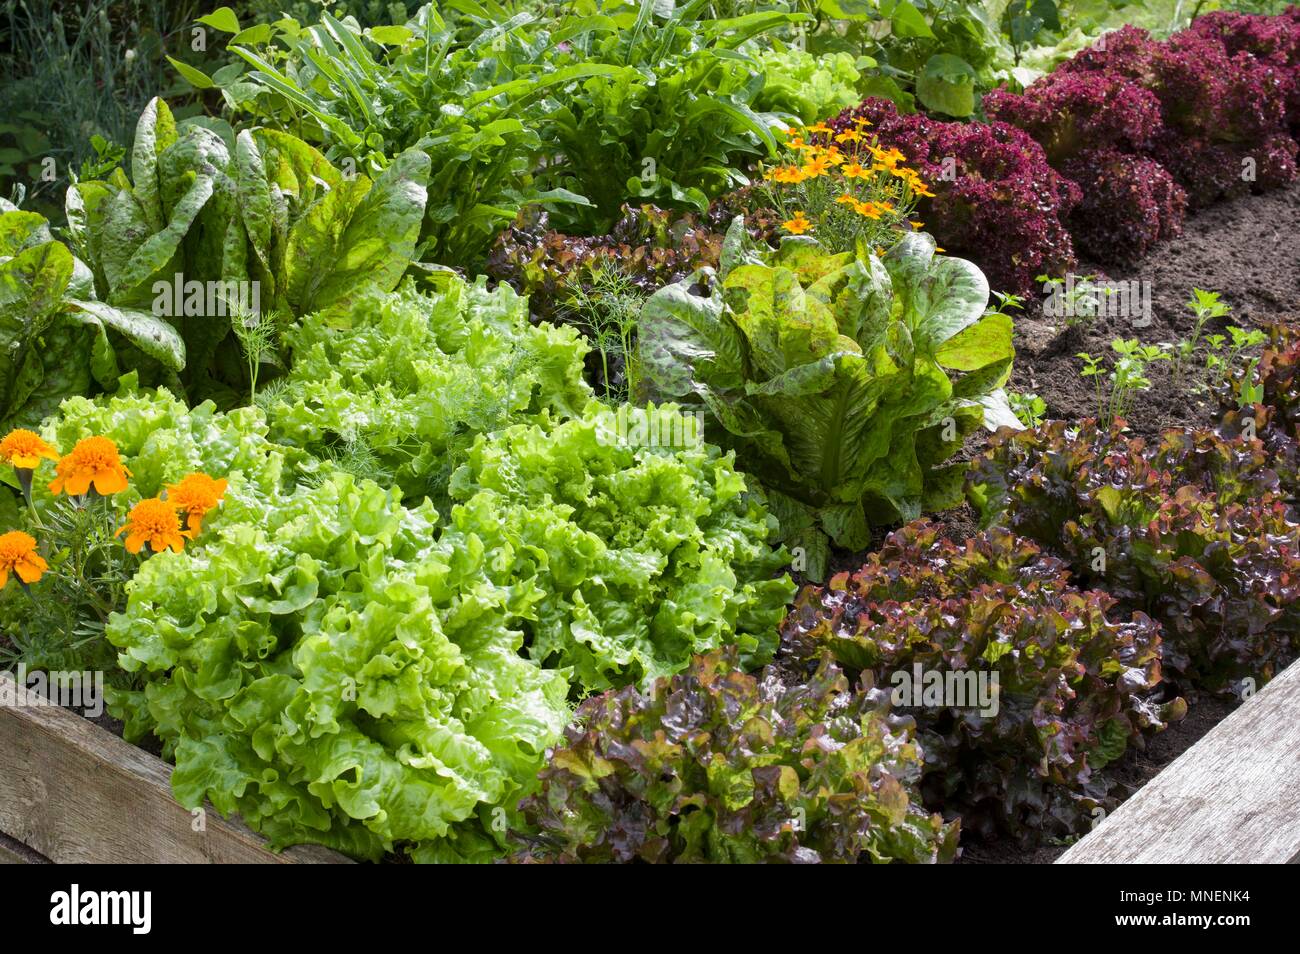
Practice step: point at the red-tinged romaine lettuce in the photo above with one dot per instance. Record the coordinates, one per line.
(1194, 530)
(262, 207)
(1021, 687)
(402, 383)
(640, 551)
(56, 340)
(831, 377)
(718, 766)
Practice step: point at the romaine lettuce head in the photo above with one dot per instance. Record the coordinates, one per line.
(831, 376)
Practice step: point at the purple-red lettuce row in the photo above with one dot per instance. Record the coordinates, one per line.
(1194, 530)
(714, 765)
(1274, 40)
(996, 198)
(1129, 204)
(1041, 689)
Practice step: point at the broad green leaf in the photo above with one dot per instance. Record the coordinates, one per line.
(907, 21)
(947, 85)
(365, 238)
(154, 336)
(155, 131)
(254, 197)
(21, 230)
(195, 77)
(223, 19)
(979, 345)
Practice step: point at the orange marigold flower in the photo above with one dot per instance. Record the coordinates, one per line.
(18, 555)
(854, 170)
(93, 461)
(819, 128)
(849, 135)
(787, 174)
(24, 449)
(860, 122)
(155, 522)
(847, 199)
(870, 209)
(815, 167)
(916, 225)
(797, 225)
(194, 496)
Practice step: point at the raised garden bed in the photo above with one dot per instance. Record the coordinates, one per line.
(1232, 798)
(763, 483)
(72, 792)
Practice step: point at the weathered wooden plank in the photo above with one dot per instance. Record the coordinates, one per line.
(1232, 798)
(14, 852)
(76, 793)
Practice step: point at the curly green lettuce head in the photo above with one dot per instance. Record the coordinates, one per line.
(338, 672)
(642, 542)
(414, 378)
(161, 440)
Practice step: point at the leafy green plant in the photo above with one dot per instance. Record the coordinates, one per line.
(1205, 306)
(1222, 365)
(1127, 377)
(56, 339)
(160, 441)
(805, 86)
(1029, 408)
(678, 122)
(637, 541)
(938, 53)
(1034, 690)
(393, 639)
(718, 766)
(414, 378)
(264, 212)
(830, 375)
(468, 92)
(336, 671)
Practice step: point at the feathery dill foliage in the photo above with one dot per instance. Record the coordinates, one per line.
(259, 339)
(606, 305)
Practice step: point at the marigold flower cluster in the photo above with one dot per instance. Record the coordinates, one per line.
(94, 466)
(829, 170)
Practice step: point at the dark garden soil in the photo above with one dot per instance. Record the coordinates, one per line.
(1247, 250)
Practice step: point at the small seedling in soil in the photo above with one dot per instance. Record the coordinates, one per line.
(1205, 305)
(1220, 364)
(1127, 377)
(1028, 408)
(1077, 300)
